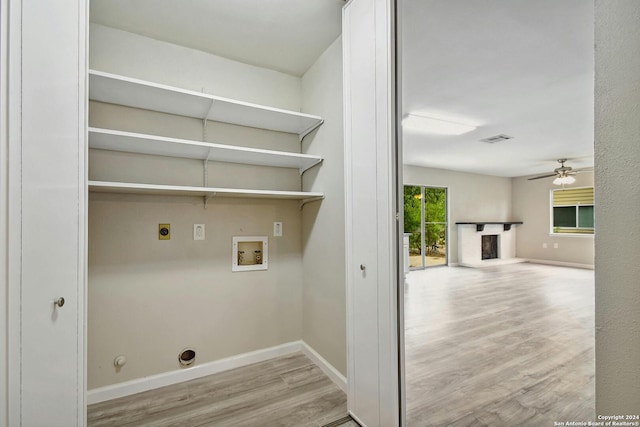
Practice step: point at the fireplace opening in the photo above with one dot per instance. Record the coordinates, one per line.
(490, 246)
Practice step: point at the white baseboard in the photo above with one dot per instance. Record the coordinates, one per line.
(493, 262)
(560, 263)
(356, 419)
(326, 367)
(128, 388)
(152, 382)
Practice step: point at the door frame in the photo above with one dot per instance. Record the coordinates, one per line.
(389, 252)
(16, 20)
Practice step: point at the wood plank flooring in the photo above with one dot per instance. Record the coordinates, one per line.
(285, 391)
(501, 346)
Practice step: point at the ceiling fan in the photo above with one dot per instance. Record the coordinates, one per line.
(564, 174)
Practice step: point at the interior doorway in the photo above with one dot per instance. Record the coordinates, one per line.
(426, 223)
(485, 130)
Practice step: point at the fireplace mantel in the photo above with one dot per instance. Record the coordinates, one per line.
(480, 224)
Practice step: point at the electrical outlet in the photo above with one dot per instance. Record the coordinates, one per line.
(545, 246)
(164, 231)
(198, 231)
(277, 229)
(555, 246)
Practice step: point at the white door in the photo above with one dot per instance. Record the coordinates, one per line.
(372, 242)
(47, 212)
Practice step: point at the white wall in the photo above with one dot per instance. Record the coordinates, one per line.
(324, 292)
(472, 197)
(531, 205)
(149, 299)
(132, 55)
(617, 151)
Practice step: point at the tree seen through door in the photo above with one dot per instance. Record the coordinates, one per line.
(425, 218)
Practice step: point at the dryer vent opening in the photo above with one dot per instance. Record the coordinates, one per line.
(187, 357)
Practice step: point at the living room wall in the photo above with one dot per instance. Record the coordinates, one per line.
(531, 205)
(474, 197)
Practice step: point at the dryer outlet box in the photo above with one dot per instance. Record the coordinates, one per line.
(164, 231)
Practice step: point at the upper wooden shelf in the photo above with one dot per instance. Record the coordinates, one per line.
(114, 140)
(116, 89)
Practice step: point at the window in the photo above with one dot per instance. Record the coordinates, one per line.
(572, 211)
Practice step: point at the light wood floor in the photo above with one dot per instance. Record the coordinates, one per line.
(285, 391)
(502, 346)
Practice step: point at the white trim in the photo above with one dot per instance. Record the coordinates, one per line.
(572, 234)
(348, 214)
(152, 382)
(14, 206)
(356, 419)
(83, 208)
(326, 367)
(4, 206)
(559, 263)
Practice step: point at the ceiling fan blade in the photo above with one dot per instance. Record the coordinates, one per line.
(543, 176)
(590, 169)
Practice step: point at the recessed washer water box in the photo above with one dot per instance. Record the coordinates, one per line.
(250, 253)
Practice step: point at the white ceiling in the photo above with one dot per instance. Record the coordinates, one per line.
(283, 35)
(519, 67)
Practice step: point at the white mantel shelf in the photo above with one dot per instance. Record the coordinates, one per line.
(121, 90)
(480, 224)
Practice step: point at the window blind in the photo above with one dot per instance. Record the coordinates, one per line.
(573, 196)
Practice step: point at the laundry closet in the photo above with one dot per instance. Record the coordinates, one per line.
(216, 208)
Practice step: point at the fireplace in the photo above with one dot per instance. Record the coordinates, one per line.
(484, 244)
(490, 246)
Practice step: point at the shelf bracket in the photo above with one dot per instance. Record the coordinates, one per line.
(303, 170)
(206, 116)
(205, 170)
(308, 131)
(309, 200)
(205, 173)
(208, 197)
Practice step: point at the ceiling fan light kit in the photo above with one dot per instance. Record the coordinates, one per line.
(563, 175)
(562, 180)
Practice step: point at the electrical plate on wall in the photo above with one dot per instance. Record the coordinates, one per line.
(164, 231)
(198, 232)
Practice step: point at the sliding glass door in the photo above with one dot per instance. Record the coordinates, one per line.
(425, 221)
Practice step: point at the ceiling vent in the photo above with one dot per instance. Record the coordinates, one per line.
(497, 138)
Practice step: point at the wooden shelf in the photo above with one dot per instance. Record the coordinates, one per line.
(114, 140)
(116, 89)
(178, 190)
